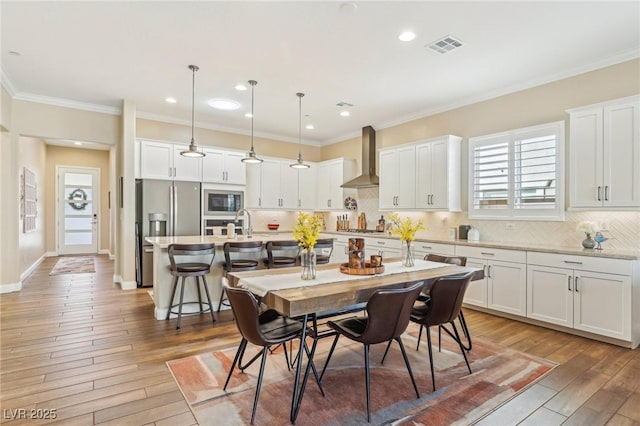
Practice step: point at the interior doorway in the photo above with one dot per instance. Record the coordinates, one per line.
(78, 195)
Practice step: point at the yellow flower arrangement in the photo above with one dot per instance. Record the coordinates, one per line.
(307, 230)
(405, 228)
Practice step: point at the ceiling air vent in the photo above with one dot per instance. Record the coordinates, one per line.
(445, 44)
(344, 104)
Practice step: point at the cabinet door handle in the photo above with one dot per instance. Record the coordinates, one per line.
(431, 199)
(599, 192)
(575, 280)
(328, 203)
(573, 262)
(606, 193)
(169, 171)
(487, 253)
(569, 283)
(489, 271)
(260, 201)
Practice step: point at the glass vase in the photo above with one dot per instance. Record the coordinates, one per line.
(308, 263)
(408, 254)
(588, 242)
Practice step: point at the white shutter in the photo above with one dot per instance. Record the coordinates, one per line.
(535, 172)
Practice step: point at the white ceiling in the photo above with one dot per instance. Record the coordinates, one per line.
(98, 53)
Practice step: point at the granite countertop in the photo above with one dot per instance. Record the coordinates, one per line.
(219, 240)
(605, 253)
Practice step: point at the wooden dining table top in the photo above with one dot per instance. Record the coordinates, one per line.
(311, 299)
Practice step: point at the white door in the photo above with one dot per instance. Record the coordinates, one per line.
(77, 213)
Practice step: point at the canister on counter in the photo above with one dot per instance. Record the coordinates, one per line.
(356, 259)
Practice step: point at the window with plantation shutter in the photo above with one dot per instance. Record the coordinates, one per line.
(518, 174)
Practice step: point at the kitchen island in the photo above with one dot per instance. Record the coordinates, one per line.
(163, 280)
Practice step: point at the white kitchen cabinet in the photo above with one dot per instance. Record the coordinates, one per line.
(340, 248)
(504, 287)
(605, 155)
(220, 166)
(390, 247)
(272, 185)
(307, 183)
(332, 174)
(162, 160)
(424, 248)
(585, 293)
(438, 174)
(397, 178)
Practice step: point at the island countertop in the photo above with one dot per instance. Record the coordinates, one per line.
(164, 242)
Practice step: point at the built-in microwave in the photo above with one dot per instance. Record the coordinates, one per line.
(220, 201)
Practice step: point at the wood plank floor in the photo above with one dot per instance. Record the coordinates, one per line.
(79, 345)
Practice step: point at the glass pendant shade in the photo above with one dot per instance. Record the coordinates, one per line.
(299, 164)
(251, 157)
(193, 148)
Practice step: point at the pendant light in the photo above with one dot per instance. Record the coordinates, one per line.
(251, 155)
(193, 149)
(299, 164)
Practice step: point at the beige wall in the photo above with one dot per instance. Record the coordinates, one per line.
(157, 130)
(73, 157)
(32, 244)
(49, 121)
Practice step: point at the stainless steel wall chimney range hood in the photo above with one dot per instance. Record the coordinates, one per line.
(368, 178)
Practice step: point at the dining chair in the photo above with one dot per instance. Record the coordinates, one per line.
(262, 329)
(282, 254)
(321, 245)
(443, 307)
(232, 263)
(387, 318)
(181, 267)
(424, 296)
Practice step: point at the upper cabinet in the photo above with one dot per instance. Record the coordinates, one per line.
(220, 166)
(422, 175)
(438, 174)
(274, 185)
(398, 178)
(332, 174)
(605, 155)
(161, 160)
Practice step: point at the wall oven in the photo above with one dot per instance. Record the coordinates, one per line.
(221, 201)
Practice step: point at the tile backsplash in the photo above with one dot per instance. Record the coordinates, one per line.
(622, 228)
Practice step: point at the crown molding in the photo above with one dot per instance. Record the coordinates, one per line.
(5, 81)
(593, 66)
(203, 125)
(68, 103)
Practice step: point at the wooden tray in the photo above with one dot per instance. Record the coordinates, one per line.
(367, 270)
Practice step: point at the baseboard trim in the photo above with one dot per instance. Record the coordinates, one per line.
(11, 287)
(32, 268)
(128, 285)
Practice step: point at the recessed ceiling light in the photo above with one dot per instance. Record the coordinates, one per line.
(407, 36)
(241, 87)
(309, 126)
(345, 113)
(248, 115)
(78, 143)
(171, 100)
(224, 104)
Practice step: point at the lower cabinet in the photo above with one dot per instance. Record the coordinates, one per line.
(389, 247)
(340, 248)
(589, 294)
(504, 287)
(422, 249)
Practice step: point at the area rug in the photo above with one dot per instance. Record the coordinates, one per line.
(461, 398)
(74, 265)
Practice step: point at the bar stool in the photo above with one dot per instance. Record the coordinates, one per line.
(323, 243)
(238, 264)
(276, 254)
(197, 270)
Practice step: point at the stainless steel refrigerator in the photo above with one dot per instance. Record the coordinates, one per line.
(178, 203)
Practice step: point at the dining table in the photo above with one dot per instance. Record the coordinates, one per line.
(332, 290)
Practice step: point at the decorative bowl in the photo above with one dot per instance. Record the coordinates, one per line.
(273, 226)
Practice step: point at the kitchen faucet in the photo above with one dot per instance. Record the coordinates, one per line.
(248, 229)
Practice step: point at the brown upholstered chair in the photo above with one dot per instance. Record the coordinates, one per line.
(387, 318)
(282, 254)
(262, 329)
(197, 269)
(323, 243)
(235, 264)
(454, 260)
(443, 307)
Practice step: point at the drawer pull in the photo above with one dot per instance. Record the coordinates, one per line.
(427, 247)
(573, 262)
(381, 243)
(486, 253)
